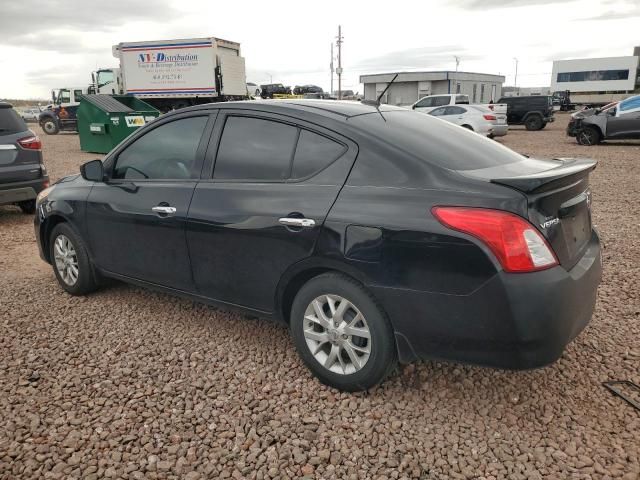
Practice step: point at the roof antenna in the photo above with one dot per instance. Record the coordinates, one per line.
(376, 102)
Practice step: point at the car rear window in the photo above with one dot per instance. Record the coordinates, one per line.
(10, 122)
(437, 142)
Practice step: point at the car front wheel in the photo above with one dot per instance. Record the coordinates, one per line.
(50, 127)
(588, 136)
(341, 333)
(70, 261)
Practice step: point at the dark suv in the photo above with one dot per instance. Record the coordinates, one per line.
(304, 89)
(271, 89)
(534, 112)
(22, 174)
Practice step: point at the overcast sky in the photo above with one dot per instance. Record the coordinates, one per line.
(53, 43)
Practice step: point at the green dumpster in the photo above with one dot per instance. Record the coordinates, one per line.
(105, 120)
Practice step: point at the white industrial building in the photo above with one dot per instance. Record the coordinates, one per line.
(409, 87)
(597, 75)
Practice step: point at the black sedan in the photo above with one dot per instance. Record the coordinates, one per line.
(377, 234)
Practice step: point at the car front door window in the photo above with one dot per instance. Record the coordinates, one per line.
(167, 152)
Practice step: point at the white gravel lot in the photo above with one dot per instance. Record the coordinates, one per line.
(126, 383)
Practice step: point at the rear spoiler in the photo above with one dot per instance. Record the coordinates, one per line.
(570, 170)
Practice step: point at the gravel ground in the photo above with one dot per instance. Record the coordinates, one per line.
(127, 383)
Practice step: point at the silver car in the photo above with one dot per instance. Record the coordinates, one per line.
(474, 117)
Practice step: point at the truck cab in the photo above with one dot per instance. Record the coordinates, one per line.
(106, 81)
(61, 114)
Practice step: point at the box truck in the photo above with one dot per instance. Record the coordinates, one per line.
(172, 74)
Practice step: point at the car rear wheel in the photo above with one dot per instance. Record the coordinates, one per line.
(50, 127)
(588, 136)
(341, 333)
(28, 207)
(70, 261)
(534, 122)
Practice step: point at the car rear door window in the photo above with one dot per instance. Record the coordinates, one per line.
(438, 112)
(439, 101)
(455, 111)
(313, 153)
(10, 122)
(255, 149)
(166, 152)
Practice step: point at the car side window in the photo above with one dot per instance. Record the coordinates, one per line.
(255, 149)
(166, 152)
(629, 104)
(439, 101)
(438, 112)
(425, 102)
(313, 153)
(455, 111)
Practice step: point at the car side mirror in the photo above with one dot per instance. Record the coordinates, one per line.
(413, 107)
(92, 171)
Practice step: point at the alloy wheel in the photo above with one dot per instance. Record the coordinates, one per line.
(66, 260)
(337, 334)
(586, 137)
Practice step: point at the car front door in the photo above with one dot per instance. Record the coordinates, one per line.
(455, 115)
(626, 121)
(262, 209)
(136, 219)
(425, 105)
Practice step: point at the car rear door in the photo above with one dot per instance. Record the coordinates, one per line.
(17, 163)
(262, 205)
(136, 218)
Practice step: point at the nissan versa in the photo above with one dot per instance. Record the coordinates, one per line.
(377, 234)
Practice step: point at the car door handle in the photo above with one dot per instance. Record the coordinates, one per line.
(297, 222)
(164, 210)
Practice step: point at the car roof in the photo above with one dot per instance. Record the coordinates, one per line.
(341, 108)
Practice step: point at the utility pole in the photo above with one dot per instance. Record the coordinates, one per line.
(456, 75)
(515, 79)
(339, 69)
(331, 67)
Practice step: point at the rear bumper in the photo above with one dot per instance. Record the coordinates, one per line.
(22, 191)
(500, 130)
(514, 321)
(572, 129)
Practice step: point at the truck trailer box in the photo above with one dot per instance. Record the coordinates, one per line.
(203, 67)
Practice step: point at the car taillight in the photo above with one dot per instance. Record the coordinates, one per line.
(31, 143)
(489, 117)
(516, 243)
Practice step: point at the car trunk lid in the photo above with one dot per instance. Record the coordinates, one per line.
(558, 199)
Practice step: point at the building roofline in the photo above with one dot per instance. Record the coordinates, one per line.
(429, 72)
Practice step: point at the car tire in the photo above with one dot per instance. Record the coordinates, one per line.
(331, 317)
(70, 261)
(28, 207)
(588, 136)
(50, 127)
(533, 122)
(544, 124)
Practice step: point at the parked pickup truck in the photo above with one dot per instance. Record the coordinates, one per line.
(430, 102)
